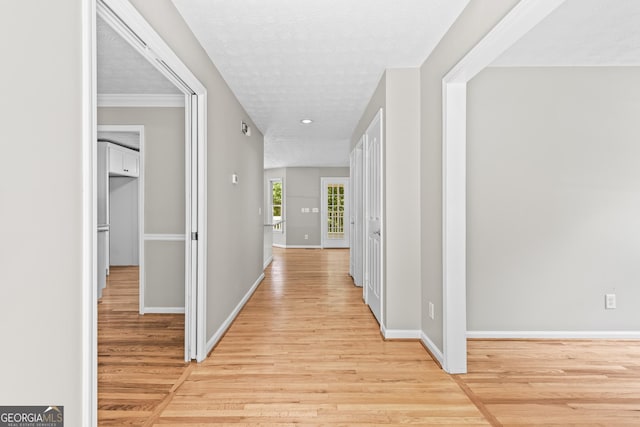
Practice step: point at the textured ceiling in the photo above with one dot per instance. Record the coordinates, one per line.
(123, 70)
(286, 60)
(582, 33)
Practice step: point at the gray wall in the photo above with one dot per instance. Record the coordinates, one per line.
(553, 199)
(402, 199)
(41, 272)
(478, 18)
(164, 196)
(235, 221)
(301, 190)
(398, 93)
(378, 100)
(123, 221)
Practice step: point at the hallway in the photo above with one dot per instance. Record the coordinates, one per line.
(305, 349)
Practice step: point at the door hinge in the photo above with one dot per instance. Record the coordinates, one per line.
(194, 235)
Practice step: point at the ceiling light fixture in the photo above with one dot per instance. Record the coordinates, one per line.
(306, 121)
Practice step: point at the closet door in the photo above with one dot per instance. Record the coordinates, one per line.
(373, 217)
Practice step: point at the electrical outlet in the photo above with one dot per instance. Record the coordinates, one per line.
(610, 301)
(306, 237)
(431, 310)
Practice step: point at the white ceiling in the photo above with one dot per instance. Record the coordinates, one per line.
(581, 33)
(121, 69)
(291, 59)
(286, 60)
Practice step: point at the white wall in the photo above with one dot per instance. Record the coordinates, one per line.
(235, 222)
(398, 93)
(478, 18)
(553, 199)
(41, 273)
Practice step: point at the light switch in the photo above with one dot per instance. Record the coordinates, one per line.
(316, 210)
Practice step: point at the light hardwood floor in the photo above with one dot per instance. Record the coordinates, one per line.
(306, 350)
(556, 383)
(140, 358)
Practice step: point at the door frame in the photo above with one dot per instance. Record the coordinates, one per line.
(139, 129)
(357, 208)
(130, 24)
(345, 181)
(519, 21)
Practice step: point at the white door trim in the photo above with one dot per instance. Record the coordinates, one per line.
(522, 18)
(123, 17)
(324, 241)
(89, 410)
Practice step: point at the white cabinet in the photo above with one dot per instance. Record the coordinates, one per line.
(123, 161)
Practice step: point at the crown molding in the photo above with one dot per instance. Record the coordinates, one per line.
(139, 100)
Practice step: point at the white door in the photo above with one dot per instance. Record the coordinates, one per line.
(335, 212)
(373, 216)
(352, 219)
(357, 217)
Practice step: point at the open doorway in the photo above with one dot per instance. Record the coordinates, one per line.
(128, 28)
(180, 245)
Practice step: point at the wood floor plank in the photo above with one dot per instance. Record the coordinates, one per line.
(140, 358)
(556, 383)
(306, 350)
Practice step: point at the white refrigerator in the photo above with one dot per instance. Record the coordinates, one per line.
(103, 216)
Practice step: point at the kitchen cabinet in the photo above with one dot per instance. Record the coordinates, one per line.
(123, 161)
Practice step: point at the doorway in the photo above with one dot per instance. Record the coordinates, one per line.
(356, 255)
(335, 212)
(132, 27)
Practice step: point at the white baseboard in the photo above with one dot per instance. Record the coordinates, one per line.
(163, 310)
(225, 325)
(278, 245)
(435, 351)
(267, 262)
(400, 334)
(585, 335)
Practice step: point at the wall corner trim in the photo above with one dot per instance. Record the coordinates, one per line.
(217, 336)
(435, 351)
(139, 100)
(555, 335)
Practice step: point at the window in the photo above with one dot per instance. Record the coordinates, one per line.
(276, 204)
